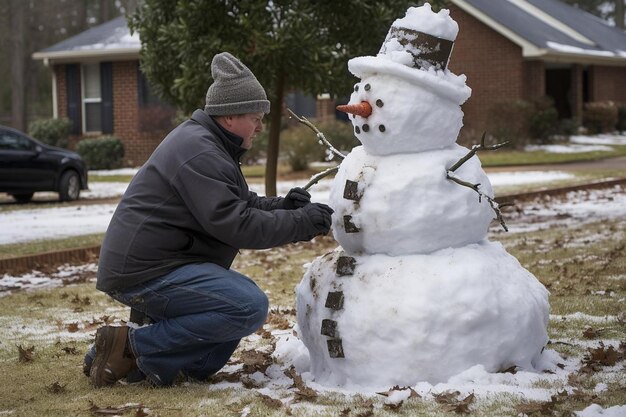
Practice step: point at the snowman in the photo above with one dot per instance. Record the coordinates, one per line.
(415, 291)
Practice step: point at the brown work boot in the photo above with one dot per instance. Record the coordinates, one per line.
(114, 358)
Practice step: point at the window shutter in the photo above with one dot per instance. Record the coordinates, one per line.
(72, 78)
(106, 80)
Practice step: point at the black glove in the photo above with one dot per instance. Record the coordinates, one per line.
(296, 198)
(319, 214)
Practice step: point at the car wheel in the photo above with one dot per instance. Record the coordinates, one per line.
(23, 197)
(69, 186)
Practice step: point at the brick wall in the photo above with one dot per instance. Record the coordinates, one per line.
(59, 72)
(607, 83)
(138, 145)
(494, 68)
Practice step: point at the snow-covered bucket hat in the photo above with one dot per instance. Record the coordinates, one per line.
(417, 49)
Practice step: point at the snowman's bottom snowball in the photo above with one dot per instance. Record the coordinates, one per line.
(416, 318)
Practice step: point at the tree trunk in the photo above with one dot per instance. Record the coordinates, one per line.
(271, 166)
(619, 14)
(105, 11)
(18, 104)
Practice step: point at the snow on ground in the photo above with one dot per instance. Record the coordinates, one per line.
(574, 148)
(58, 222)
(579, 143)
(112, 172)
(54, 223)
(35, 280)
(602, 139)
(575, 209)
(503, 179)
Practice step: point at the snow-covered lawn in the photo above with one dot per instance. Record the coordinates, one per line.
(56, 313)
(579, 143)
(58, 222)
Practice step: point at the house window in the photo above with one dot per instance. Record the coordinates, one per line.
(92, 98)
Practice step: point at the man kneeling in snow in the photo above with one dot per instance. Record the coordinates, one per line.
(170, 244)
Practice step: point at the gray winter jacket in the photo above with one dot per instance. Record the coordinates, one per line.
(190, 203)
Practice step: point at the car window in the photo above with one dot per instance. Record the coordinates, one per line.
(14, 142)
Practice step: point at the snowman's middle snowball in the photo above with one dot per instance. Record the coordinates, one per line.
(407, 205)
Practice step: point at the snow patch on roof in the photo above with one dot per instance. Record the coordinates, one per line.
(576, 50)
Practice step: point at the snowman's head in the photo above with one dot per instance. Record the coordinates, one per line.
(407, 101)
(391, 115)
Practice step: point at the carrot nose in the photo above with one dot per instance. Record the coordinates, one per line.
(362, 109)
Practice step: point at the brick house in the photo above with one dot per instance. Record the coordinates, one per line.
(525, 49)
(508, 49)
(97, 84)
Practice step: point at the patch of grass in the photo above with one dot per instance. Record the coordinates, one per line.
(516, 158)
(110, 178)
(574, 262)
(41, 246)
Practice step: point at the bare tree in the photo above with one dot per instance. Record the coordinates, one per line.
(619, 14)
(18, 86)
(105, 11)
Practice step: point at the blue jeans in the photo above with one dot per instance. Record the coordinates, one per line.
(200, 312)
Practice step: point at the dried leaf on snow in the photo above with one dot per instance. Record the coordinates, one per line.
(450, 401)
(270, 402)
(70, 350)
(26, 354)
(302, 391)
(56, 388)
(602, 356)
(255, 360)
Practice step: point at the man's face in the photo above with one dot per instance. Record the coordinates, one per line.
(245, 125)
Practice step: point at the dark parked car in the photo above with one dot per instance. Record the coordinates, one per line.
(28, 166)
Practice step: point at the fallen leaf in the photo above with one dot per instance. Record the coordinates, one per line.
(532, 407)
(26, 354)
(70, 350)
(590, 333)
(509, 370)
(602, 356)
(278, 321)
(302, 391)
(72, 327)
(270, 402)
(447, 397)
(56, 388)
(254, 360)
(413, 393)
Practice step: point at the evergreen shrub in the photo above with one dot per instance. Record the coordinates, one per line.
(105, 152)
(543, 120)
(621, 117)
(509, 120)
(600, 116)
(51, 131)
(300, 146)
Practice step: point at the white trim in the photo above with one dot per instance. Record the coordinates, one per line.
(551, 21)
(88, 53)
(55, 110)
(528, 49)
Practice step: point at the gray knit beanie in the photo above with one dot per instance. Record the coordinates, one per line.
(235, 89)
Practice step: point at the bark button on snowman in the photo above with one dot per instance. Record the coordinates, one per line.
(415, 292)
